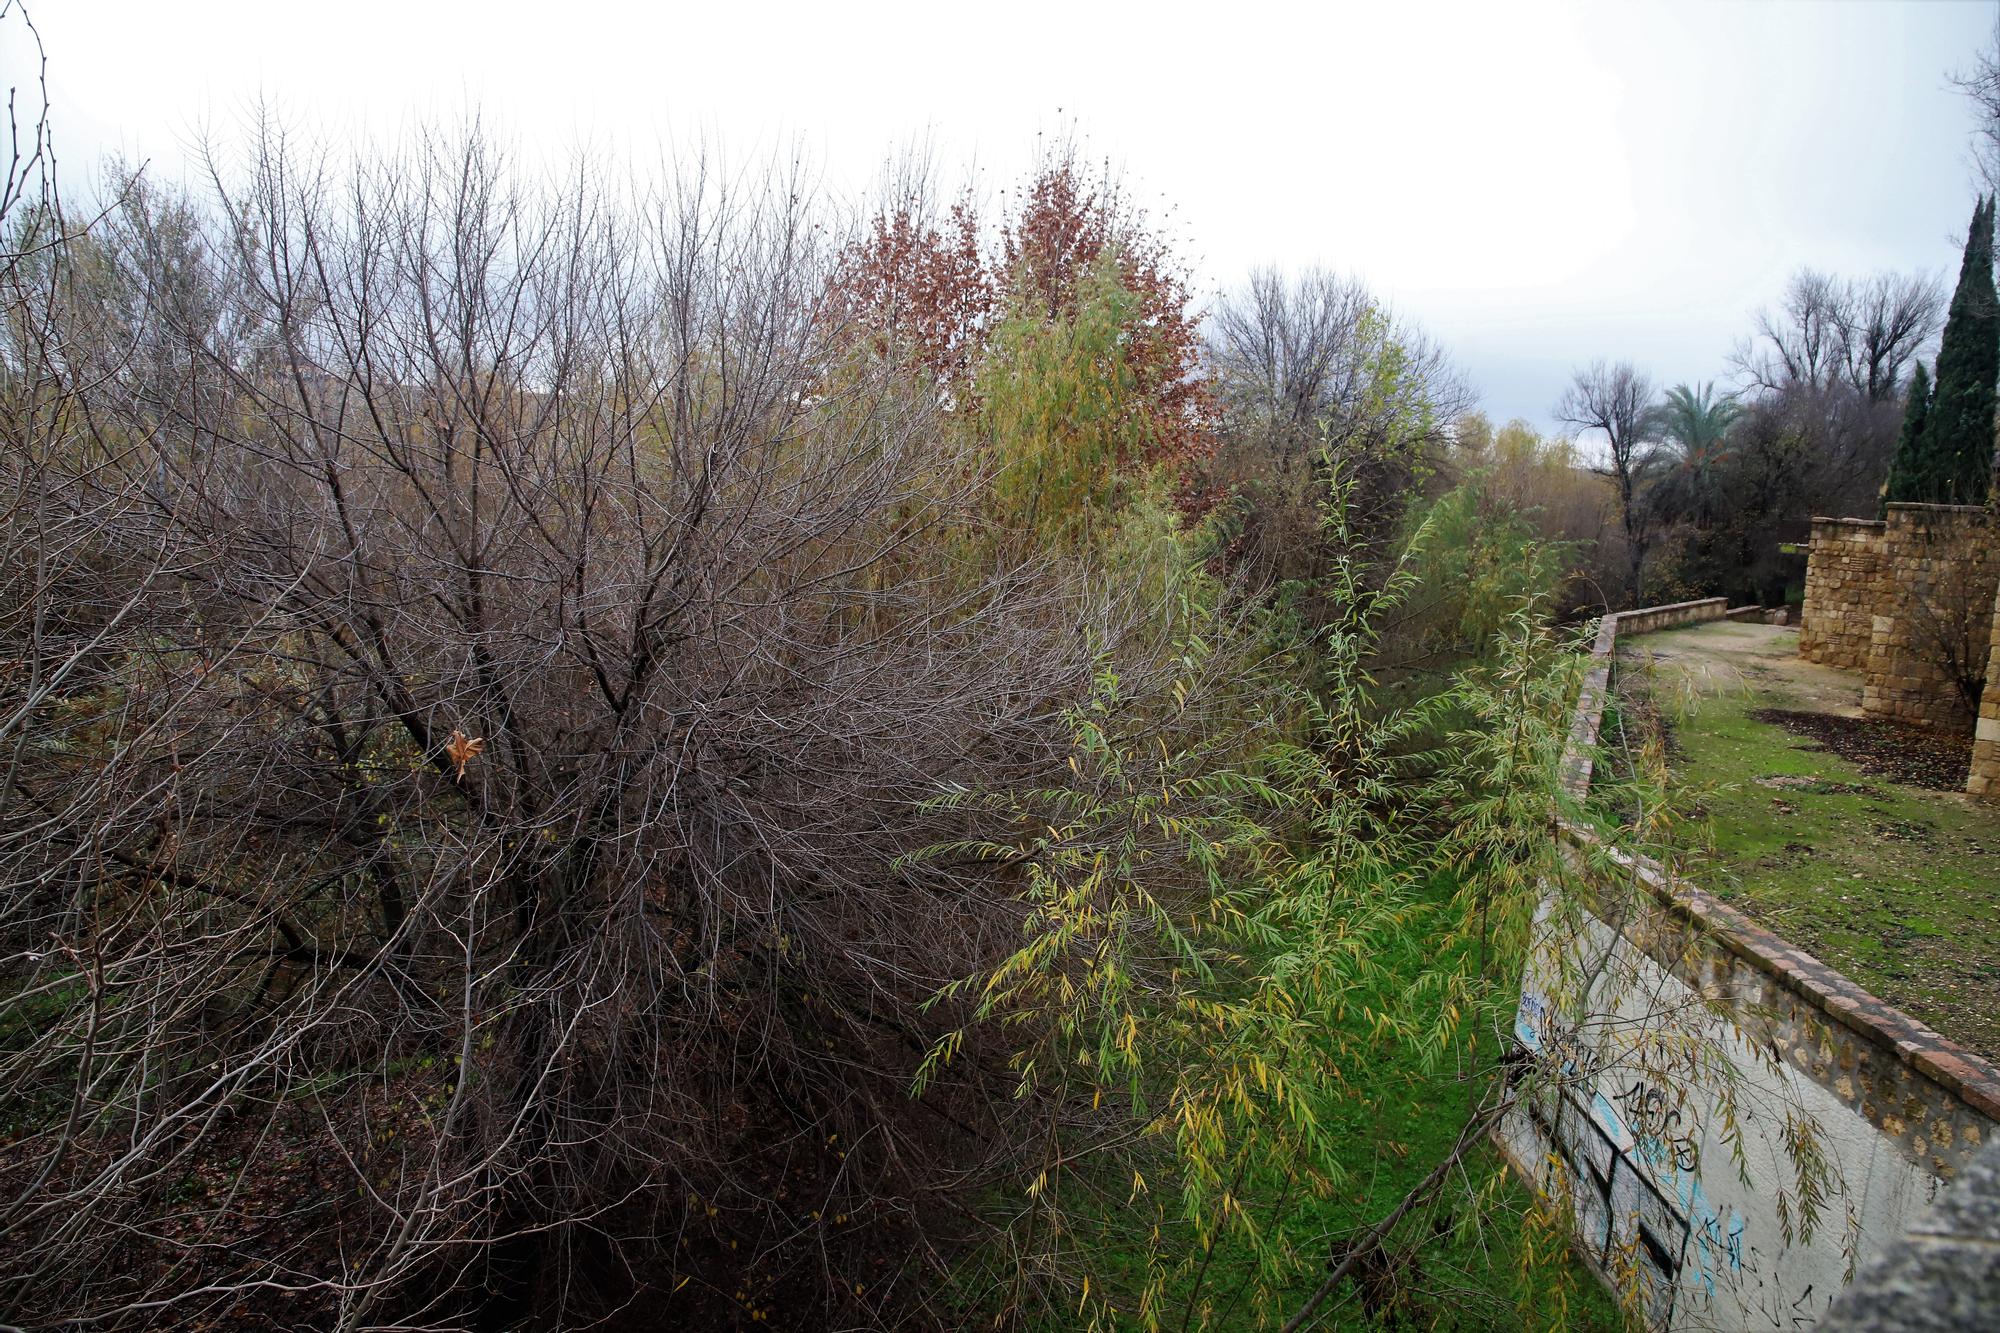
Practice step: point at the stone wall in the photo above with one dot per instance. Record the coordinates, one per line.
(1649, 1165)
(1984, 779)
(1898, 600)
(1588, 714)
(1938, 573)
(1843, 587)
(1649, 618)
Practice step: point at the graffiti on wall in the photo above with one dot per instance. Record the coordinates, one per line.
(1631, 1162)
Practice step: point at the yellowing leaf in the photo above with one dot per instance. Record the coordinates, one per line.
(462, 749)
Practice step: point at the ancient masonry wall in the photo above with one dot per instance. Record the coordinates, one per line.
(1909, 603)
(1933, 616)
(1649, 1171)
(1843, 587)
(1984, 779)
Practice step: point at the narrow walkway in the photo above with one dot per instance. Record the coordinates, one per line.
(1726, 655)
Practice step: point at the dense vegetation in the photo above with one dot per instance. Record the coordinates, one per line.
(588, 751)
(537, 719)
(1834, 415)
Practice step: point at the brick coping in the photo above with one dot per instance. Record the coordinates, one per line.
(1966, 1075)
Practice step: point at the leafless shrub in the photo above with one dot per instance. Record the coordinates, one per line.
(1312, 371)
(1617, 402)
(28, 177)
(1951, 622)
(473, 651)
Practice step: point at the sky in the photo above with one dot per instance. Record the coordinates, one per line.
(1537, 185)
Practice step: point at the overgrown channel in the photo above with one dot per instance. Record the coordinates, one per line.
(586, 751)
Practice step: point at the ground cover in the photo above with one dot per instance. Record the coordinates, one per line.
(1845, 835)
(1454, 1267)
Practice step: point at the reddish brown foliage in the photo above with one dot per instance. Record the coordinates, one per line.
(926, 288)
(1065, 225)
(935, 290)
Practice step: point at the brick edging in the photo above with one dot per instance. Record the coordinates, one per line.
(1966, 1075)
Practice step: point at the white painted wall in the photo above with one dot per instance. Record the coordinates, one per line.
(1718, 1236)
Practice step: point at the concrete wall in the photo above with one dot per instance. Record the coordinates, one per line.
(1942, 1275)
(1650, 1162)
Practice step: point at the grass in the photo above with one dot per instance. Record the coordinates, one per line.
(1896, 886)
(1460, 1264)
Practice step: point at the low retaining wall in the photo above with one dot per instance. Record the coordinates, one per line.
(1588, 716)
(1647, 619)
(1651, 1166)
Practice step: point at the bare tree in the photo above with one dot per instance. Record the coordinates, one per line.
(1617, 402)
(29, 175)
(1800, 342)
(1290, 353)
(1311, 372)
(1299, 354)
(474, 657)
(1884, 322)
(1982, 85)
(1829, 331)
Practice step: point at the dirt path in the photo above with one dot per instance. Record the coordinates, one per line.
(1729, 655)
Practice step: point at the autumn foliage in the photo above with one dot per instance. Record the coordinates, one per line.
(919, 286)
(936, 288)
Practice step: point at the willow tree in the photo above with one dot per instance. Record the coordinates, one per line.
(1059, 400)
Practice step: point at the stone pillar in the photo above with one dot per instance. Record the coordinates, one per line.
(1843, 591)
(1984, 779)
(1937, 576)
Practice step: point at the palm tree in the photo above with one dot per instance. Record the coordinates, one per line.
(1694, 424)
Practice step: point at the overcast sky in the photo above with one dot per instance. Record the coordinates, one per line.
(1537, 185)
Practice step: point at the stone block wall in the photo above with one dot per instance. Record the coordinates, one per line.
(1936, 579)
(1984, 779)
(1675, 614)
(1843, 587)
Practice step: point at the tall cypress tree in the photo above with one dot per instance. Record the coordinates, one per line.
(1906, 472)
(1956, 457)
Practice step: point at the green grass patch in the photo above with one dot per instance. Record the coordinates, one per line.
(1896, 886)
